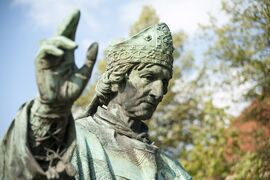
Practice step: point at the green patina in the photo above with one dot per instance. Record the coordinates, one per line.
(110, 139)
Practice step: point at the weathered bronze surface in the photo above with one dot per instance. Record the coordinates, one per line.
(110, 139)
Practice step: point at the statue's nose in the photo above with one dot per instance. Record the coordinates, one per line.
(157, 90)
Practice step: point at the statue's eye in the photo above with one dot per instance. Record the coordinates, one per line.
(149, 77)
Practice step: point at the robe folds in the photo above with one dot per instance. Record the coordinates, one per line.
(96, 150)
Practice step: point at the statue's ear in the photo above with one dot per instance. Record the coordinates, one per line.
(119, 87)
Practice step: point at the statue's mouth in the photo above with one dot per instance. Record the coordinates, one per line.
(150, 103)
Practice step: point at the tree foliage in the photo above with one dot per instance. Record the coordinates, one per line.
(243, 43)
(242, 46)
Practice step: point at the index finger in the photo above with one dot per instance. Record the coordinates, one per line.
(69, 25)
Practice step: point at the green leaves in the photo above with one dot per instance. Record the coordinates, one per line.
(242, 45)
(243, 42)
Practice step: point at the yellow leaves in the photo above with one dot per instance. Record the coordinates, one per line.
(102, 66)
(179, 38)
(86, 97)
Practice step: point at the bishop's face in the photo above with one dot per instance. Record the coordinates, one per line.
(143, 90)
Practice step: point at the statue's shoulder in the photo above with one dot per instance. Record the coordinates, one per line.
(175, 166)
(92, 126)
(87, 132)
(87, 125)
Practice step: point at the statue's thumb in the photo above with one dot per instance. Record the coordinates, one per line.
(84, 73)
(91, 55)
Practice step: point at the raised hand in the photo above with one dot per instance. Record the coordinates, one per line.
(58, 78)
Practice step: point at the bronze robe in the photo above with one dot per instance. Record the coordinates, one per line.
(96, 149)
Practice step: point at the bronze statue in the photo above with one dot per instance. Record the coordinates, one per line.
(110, 140)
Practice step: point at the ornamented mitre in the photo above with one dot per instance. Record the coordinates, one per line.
(152, 45)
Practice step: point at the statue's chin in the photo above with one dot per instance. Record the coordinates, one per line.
(147, 111)
(142, 112)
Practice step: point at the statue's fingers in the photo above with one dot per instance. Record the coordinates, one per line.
(69, 25)
(91, 56)
(61, 42)
(83, 74)
(49, 50)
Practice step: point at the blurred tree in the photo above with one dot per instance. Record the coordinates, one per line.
(206, 160)
(247, 151)
(242, 46)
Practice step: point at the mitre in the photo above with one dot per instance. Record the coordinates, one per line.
(152, 45)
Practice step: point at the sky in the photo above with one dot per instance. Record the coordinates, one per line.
(24, 23)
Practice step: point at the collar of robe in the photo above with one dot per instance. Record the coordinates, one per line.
(122, 128)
